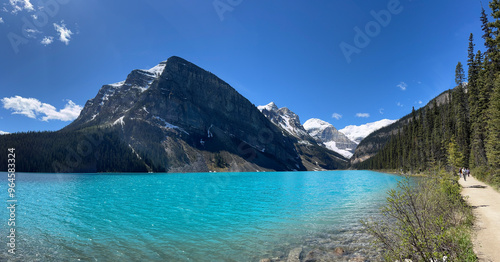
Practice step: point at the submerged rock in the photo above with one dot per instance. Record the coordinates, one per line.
(295, 255)
(314, 255)
(339, 251)
(357, 259)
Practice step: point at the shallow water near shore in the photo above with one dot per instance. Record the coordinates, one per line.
(191, 217)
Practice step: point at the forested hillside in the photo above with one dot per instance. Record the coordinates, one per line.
(91, 150)
(465, 132)
(376, 141)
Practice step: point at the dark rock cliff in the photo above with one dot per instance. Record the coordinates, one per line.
(178, 117)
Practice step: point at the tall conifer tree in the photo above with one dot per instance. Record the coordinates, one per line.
(493, 128)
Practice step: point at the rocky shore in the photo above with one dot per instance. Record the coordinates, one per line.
(353, 245)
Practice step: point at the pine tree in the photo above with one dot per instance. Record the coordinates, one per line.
(470, 54)
(486, 30)
(472, 88)
(492, 146)
(461, 120)
(459, 74)
(477, 147)
(493, 128)
(494, 40)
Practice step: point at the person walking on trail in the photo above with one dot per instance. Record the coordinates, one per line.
(464, 174)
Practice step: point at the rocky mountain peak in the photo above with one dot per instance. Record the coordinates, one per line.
(326, 134)
(286, 119)
(178, 115)
(271, 107)
(315, 125)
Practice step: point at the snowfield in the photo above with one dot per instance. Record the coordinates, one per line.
(358, 133)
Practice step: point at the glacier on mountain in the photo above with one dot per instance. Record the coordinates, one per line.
(358, 133)
(326, 134)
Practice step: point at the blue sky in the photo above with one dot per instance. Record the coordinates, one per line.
(56, 54)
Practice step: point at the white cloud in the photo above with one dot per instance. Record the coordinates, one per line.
(420, 102)
(399, 104)
(32, 108)
(64, 33)
(70, 112)
(337, 116)
(403, 86)
(47, 40)
(32, 32)
(1, 20)
(381, 111)
(20, 5)
(364, 115)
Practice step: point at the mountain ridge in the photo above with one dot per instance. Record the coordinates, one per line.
(174, 117)
(314, 155)
(190, 108)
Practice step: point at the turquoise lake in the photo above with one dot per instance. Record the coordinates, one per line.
(187, 217)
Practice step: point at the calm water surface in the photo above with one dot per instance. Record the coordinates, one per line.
(184, 217)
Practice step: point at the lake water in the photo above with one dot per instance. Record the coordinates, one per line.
(188, 217)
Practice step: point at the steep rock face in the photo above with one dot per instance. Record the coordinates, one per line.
(325, 133)
(286, 119)
(178, 117)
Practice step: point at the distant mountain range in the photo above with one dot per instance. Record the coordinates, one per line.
(177, 117)
(323, 133)
(174, 117)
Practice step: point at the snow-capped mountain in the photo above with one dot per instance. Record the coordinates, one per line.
(326, 134)
(284, 118)
(3, 133)
(177, 117)
(113, 99)
(358, 133)
(315, 155)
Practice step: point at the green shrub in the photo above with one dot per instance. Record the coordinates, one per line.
(425, 221)
(488, 175)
